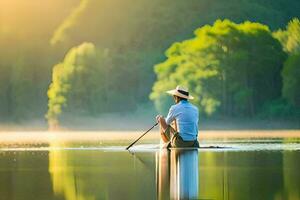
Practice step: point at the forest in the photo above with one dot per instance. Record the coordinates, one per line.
(239, 58)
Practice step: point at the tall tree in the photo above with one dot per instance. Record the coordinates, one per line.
(231, 68)
(75, 83)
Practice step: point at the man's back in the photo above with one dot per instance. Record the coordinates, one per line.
(186, 116)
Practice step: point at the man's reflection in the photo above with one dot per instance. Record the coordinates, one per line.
(177, 174)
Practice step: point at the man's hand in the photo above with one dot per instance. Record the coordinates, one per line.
(158, 118)
(161, 121)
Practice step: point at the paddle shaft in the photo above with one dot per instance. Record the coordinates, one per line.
(141, 136)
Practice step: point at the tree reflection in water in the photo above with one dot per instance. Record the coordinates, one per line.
(177, 174)
(174, 174)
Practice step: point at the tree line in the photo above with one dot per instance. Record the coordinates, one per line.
(127, 38)
(235, 70)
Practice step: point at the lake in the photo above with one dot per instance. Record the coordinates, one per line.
(87, 166)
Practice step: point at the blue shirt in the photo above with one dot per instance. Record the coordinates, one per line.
(186, 116)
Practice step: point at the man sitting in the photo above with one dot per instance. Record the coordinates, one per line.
(184, 117)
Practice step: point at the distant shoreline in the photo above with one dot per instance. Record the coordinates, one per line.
(139, 123)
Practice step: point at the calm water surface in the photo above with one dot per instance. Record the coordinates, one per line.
(244, 169)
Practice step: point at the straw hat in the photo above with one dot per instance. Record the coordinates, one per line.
(180, 92)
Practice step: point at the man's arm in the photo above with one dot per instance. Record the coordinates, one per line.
(162, 128)
(164, 123)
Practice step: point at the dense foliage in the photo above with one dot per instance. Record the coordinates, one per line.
(74, 82)
(230, 68)
(34, 37)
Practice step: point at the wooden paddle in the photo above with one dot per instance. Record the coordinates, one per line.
(141, 136)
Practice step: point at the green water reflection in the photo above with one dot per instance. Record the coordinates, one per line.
(98, 174)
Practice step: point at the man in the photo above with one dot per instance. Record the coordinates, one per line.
(184, 117)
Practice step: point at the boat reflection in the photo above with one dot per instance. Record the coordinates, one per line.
(177, 174)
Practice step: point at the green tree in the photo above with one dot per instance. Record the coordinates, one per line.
(230, 68)
(77, 83)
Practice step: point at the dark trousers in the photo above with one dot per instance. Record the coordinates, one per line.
(175, 140)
